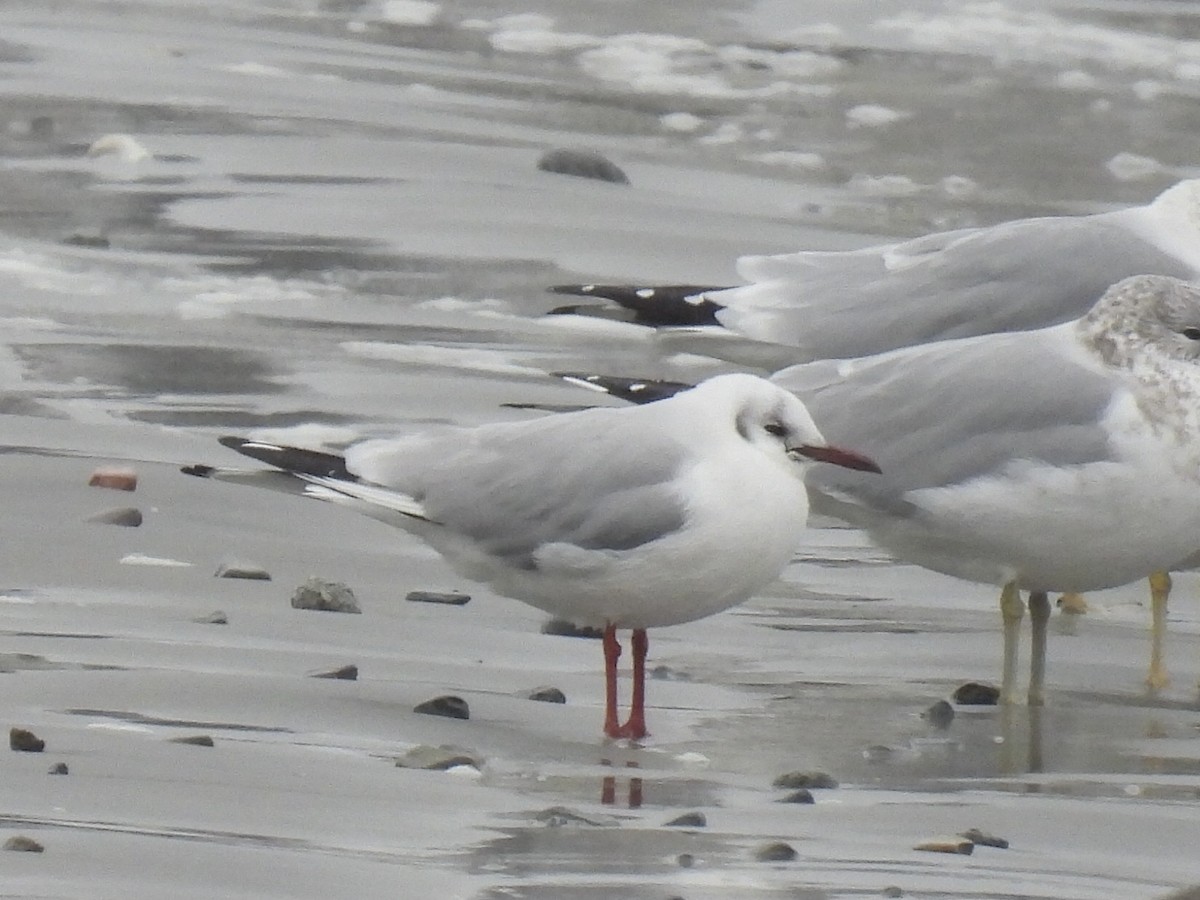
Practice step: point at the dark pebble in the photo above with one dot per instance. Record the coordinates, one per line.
(86, 239)
(248, 571)
(975, 694)
(547, 694)
(560, 816)
(776, 851)
(449, 706)
(59, 768)
(213, 618)
(454, 598)
(804, 795)
(25, 741)
(345, 673)
(810, 780)
(879, 753)
(196, 740)
(328, 596)
(582, 164)
(563, 628)
(983, 839)
(892, 891)
(439, 758)
(125, 516)
(940, 715)
(24, 844)
(685, 860)
(688, 820)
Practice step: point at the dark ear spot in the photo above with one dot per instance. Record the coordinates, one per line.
(742, 423)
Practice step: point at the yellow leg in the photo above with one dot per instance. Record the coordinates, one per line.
(1160, 590)
(1039, 615)
(1072, 604)
(1012, 610)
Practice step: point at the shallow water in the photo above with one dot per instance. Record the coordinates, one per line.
(340, 230)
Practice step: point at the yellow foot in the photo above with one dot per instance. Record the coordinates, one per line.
(1072, 604)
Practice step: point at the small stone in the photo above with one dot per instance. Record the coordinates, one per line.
(810, 780)
(125, 516)
(559, 816)
(195, 740)
(440, 758)
(59, 768)
(973, 693)
(940, 715)
(216, 617)
(92, 239)
(983, 839)
(879, 753)
(685, 860)
(582, 164)
(23, 844)
(688, 820)
(25, 741)
(248, 571)
(117, 478)
(448, 705)
(329, 596)
(547, 694)
(776, 851)
(345, 673)
(892, 891)
(947, 845)
(804, 795)
(564, 628)
(452, 598)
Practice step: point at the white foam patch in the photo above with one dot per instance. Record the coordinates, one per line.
(313, 435)
(486, 307)
(681, 122)
(792, 159)
(260, 70)
(141, 559)
(1134, 167)
(1004, 34)
(872, 115)
(533, 33)
(410, 12)
(473, 359)
(213, 297)
(885, 185)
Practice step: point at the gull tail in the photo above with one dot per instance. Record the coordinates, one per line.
(633, 390)
(311, 473)
(662, 305)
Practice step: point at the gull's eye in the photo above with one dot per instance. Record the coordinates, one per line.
(1192, 333)
(776, 429)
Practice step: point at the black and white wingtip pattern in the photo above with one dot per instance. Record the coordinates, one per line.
(633, 390)
(661, 305)
(292, 459)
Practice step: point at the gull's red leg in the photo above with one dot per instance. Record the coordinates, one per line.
(635, 727)
(612, 652)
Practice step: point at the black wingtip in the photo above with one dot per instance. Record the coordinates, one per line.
(291, 459)
(633, 390)
(658, 305)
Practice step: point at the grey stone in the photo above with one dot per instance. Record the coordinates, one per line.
(328, 596)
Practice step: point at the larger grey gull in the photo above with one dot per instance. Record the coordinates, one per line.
(631, 517)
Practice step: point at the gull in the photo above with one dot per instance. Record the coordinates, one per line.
(1015, 276)
(1061, 459)
(621, 517)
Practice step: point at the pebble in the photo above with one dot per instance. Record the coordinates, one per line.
(118, 478)
(24, 844)
(582, 164)
(685, 860)
(125, 516)
(344, 673)
(973, 693)
(447, 756)
(940, 715)
(892, 891)
(558, 816)
(216, 617)
(249, 571)
(328, 596)
(448, 705)
(547, 694)
(25, 741)
(195, 740)
(564, 628)
(947, 845)
(810, 780)
(777, 851)
(452, 598)
(804, 795)
(688, 820)
(983, 839)
(59, 768)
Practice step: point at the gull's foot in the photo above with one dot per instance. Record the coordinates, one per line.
(1157, 679)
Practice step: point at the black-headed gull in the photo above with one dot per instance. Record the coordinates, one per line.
(630, 517)
(1062, 459)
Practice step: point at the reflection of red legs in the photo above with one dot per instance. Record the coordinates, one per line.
(608, 786)
(635, 727)
(612, 652)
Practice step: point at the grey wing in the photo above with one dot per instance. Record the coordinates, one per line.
(1017, 276)
(946, 413)
(591, 479)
